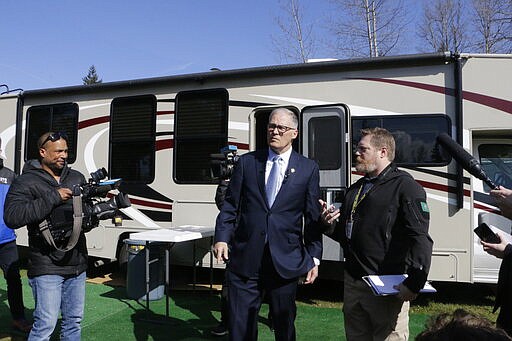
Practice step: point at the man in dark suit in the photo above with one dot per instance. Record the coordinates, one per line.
(274, 193)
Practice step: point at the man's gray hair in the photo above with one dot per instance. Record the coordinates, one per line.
(291, 114)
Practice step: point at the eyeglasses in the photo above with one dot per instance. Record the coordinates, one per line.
(361, 149)
(281, 129)
(55, 137)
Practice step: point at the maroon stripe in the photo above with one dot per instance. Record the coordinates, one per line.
(428, 87)
(493, 102)
(169, 143)
(442, 188)
(485, 208)
(165, 112)
(432, 185)
(105, 119)
(93, 121)
(151, 204)
(164, 144)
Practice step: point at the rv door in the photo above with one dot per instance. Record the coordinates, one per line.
(325, 138)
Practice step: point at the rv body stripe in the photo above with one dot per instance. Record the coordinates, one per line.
(90, 164)
(93, 121)
(444, 175)
(487, 209)
(431, 185)
(139, 217)
(169, 144)
(151, 204)
(493, 102)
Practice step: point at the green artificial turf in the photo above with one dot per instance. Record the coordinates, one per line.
(109, 315)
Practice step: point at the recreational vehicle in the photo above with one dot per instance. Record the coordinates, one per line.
(157, 134)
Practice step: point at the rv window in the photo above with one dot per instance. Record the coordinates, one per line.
(323, 142)
(55, 117)
(496, 160)
(200, 129)
(415, 136)
(132, 138)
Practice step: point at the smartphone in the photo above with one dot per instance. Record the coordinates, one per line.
(485, 233)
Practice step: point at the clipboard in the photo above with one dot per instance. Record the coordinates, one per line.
(383, 285)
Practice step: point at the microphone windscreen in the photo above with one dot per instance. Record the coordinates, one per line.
(466, 160)
(455, 150)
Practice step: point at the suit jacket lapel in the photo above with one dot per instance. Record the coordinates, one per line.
(261, 164)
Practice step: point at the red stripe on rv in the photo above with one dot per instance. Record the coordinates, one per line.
(164, 144)
(439, 187)
(488, 209)
(105, 119)
(93, 121)
(169, 143)
(432, 185)
(151, 204)
(493, 102)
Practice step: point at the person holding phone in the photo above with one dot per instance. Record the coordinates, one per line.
(503, 250)
(383, 229)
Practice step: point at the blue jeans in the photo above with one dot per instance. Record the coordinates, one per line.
(54, 293)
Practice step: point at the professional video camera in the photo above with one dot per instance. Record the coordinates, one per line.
(94, 205)
(95, 209)
(222, 164)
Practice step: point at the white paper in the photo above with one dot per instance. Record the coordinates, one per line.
(384, 285)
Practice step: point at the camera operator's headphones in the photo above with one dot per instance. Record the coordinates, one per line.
(44, 226)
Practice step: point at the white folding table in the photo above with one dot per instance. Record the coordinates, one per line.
(169, 237)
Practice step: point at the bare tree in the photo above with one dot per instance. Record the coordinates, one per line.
(295, 43)
(368, 27)
(492, 20)
(444, 26)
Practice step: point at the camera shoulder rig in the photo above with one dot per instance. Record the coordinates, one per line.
(44, 226)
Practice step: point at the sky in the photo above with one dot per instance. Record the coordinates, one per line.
(52, 43)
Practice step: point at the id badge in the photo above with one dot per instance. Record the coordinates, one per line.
(348, 229)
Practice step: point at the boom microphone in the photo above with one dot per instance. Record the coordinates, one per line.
(466, 160)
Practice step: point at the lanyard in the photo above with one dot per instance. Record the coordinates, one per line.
(357, 201)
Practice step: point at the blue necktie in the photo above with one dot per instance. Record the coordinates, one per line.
(272, 187)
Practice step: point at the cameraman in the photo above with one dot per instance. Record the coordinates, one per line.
(57, 277)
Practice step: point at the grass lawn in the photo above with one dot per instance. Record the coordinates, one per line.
(109, 315)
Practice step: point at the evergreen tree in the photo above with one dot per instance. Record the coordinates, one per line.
(92, 77)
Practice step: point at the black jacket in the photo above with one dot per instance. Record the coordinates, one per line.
(390, 229)
(31, 199)
(503, 294)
